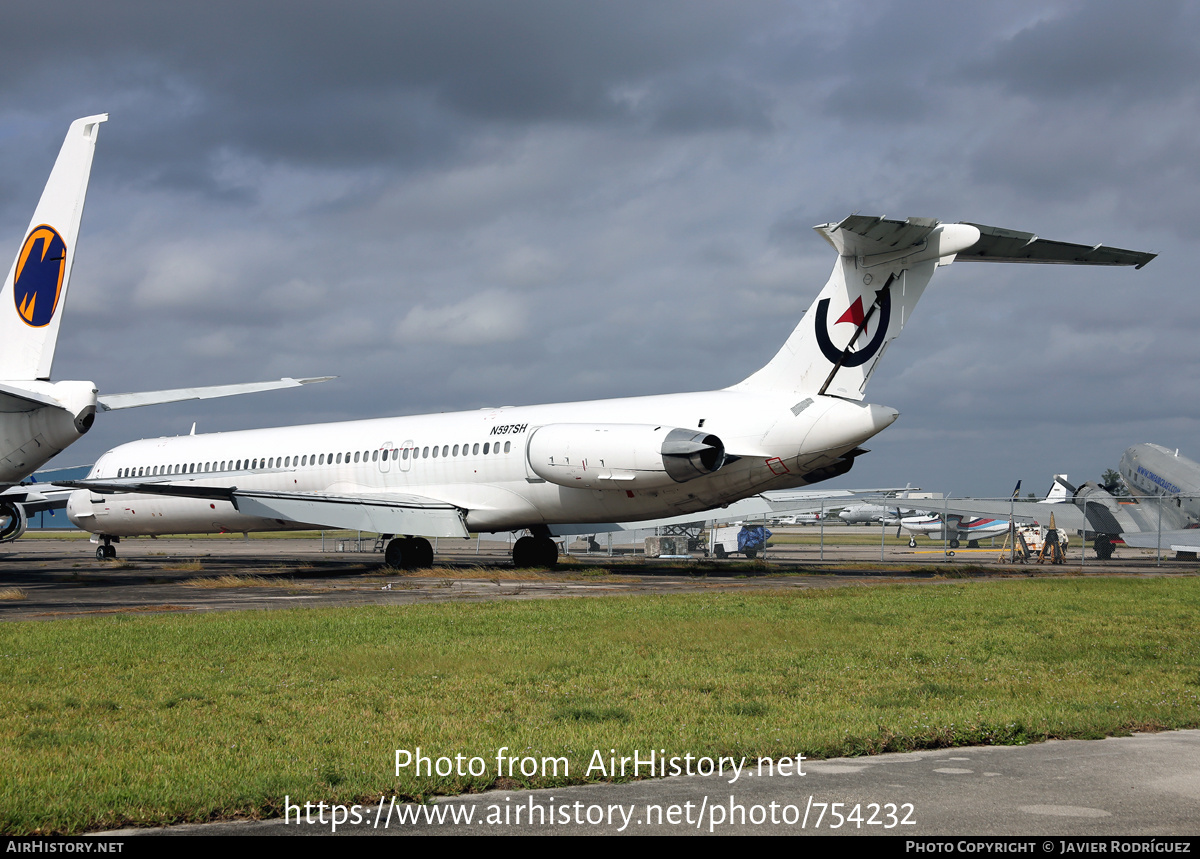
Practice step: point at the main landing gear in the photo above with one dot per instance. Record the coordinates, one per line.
(106, 551)
(408, 553)
(536, 551)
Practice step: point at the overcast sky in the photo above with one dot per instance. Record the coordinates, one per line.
(459, 204)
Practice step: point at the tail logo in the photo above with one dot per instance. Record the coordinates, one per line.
(41, 268)
(854, 314)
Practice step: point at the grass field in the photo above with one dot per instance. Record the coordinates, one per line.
(151, 720)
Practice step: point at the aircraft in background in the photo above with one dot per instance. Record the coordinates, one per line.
(961, 528)
(1154, 471)
(40, 418)
(972, 529)
(797, 421)
(865, 514)
(1162, 512)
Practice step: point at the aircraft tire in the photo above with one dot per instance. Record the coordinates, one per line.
(524, 553)
(719, 551)
(912, 542)
(954, 544)
(547, 551)
(420, 552)
(752, 553)
(394, 552)
(972, 544)
(101, 555)
(539, 552)
(1104, 548)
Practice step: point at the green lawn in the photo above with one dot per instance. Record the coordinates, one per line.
(159, 719)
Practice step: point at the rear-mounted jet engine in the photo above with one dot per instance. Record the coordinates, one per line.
(622, 456)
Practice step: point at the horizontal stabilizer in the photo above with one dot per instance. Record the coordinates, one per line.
(15, 397)
(110, 402)
(997, 244)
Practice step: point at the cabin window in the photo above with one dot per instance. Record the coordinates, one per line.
(424, 453)
(507, 446)
(405, 454)
(456, 450)
(435, 451)
(475, 448)
(486, 445)
(374, 456)
(355, 456)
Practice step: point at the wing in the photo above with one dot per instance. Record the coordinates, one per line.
(109, 402)
(36, 499)
(771, 503)
(1093, 513)
(380, 513)
(1186, 540)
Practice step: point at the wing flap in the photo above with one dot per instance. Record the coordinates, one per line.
(355, 514)
(415, 515)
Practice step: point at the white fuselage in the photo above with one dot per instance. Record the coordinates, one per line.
(769, 446)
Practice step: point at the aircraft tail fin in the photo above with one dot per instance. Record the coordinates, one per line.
(32, 297)
(883, 268)
(1060, 490)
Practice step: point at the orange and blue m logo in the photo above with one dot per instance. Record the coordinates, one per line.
(41, 268)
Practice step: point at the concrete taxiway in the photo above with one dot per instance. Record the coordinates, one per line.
(48, 579)
(1144, 785)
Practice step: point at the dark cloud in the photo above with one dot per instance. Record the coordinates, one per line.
(454, 205)
(1132, 52)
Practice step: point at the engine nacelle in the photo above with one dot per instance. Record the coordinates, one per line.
(622, 456)
(13, 521)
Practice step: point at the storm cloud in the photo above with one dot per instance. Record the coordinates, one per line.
(459, 204)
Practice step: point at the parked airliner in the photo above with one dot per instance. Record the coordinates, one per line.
(555, 468)
(40, 418)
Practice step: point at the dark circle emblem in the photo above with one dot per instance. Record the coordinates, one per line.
(41, 269)
(863, 355)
